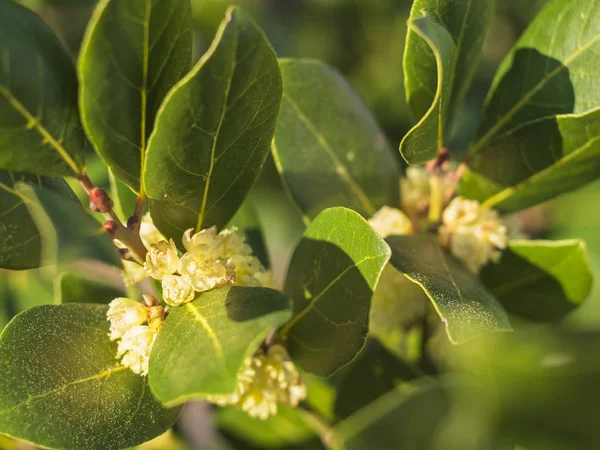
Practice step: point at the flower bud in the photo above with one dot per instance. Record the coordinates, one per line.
(177, 290)
(149, 233)
(135, 348)
(391, 221)
(161, 259)
(124, 314)
(100, 199)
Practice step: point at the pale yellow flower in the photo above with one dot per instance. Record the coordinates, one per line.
(203, 269)
(161, 259)
(177, 290)
(207, 237)
(124, 314)
(415, 189)
(148, 232)
(391, 221)
(135, 347)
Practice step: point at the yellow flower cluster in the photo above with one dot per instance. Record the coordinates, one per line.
(265, 381)
(211, 260)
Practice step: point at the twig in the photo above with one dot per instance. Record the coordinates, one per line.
(321, 427)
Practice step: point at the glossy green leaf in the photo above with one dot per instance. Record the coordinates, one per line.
(40, 130)
(536, 162)
(20, 244)
(467, 22)
(68, 232)
(202, 344)
(213, 132)
(75, 288)
(63, 388)
(133, 53)
(551, 70)
(331, 279)
(540, 280)
(423, 141)
(465, 306)
(328, 147)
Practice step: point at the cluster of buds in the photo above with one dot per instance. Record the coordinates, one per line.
(135, 326)
(266, 380)
(211, 260)
(474, 235)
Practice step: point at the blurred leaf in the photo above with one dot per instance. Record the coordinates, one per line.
(328, 147)
(20, 244)
(246, 220)
(74, 288)
(536, 162)
(423, 141)
(467, 22)
(63, 388)
(213, 132)
(540, 280)
(67, 231)
(41, 132)
(374, 372)
(463, 303)
(331, 279)
(132, 55)
(551, 70)
(202, 344)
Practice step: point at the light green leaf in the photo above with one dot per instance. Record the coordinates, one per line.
(536, 162)
(551, 70)
(423, 141)
(331, 279)
(213, 131)
(133, 53)
(40, 130)
(20, 244)
(63, 388)
(467, 22)
(123, 197)
(463, 303)
(75, 288)
(328, 148)
(202, 344)
(540, 280)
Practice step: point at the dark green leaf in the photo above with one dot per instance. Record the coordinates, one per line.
(536, 162)
(434, 80)
(328, 147)
(20, 245)
(374, 372)
(67, 231)
(463, 303)
(540, 280)
(551, 70)
(63, 388)
(133, 53)
(39, 122)
(467, 22)
(331, 279)
(75, 288)
(202, 344)
(213, 132)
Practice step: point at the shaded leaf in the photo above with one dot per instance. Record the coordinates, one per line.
(213, 132)
(331, 279)
(536, 162)
(63, 388)
(132, 55)
(423, 141)
(328, 147)
(41, 132)
(75, 288)
(123, 197)
(463, 303)
(551, 70)
(20, 244)
(540, 280)
(202, 344)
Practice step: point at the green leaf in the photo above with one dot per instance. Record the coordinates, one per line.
(39, 122)
(328, 147)
(213, 131)
(553, 69)
(331, 279)
(467, 22)
(20, 244)
(75, 288)
(536, 162)
(63, 388)
(540, 280)
(202, 344)
(68, 232)
(374, 372)
(423, 141)
(123, 197)
(463, 303)
(132, 55)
